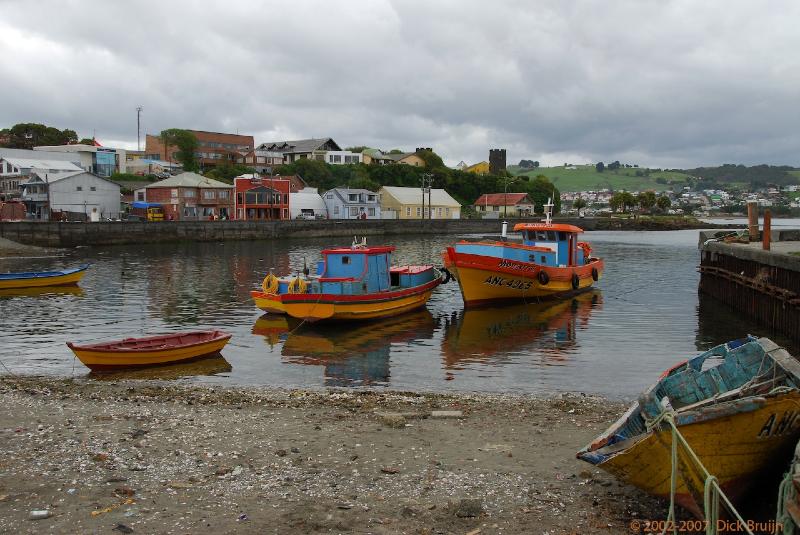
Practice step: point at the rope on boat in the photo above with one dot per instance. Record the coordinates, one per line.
(712, 492)
(786, 492)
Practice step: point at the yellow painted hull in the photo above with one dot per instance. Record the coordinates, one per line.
(736, 449)
(268, 302)
(479, 286)
(314, 311)
(40, 282)
(99, 359)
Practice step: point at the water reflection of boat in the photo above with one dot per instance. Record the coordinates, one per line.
(483, 332)
(359, 355)
(206, 366)
(42, 291)
(274, 327)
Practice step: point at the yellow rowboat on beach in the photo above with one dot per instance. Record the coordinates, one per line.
(738, 408)
(37, 279)
(152, 350)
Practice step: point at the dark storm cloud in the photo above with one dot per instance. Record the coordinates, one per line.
(660, 83)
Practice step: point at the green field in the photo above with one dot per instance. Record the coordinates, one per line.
(586, 177)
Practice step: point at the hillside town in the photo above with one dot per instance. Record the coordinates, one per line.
(86, 181)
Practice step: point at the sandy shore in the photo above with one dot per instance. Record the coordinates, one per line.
(171, 458)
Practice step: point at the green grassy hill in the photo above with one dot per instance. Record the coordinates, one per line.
(586, 177)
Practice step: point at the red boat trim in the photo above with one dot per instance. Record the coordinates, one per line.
(362, 250)
(218, 336)
(368, 298)
(490, 263)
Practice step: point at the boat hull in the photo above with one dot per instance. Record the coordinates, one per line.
(735, 447)
(484, 279)
(98, 359)
(317, 307)
(66, 278)
(268, 302)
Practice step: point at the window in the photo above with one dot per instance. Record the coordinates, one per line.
(408, 211)
(224, 194)
(439, 211)
(286, 213)
(209, 194)
(352, 197)
(336, 158)
(79, 188)
(285, 198)
(92, 188)
(371, 212)
(354, 211)
(174, 193)
(345, 260)
(336, 210)
(371, 198)
(447, 211)
(189, 193)
(240, 198)
(329, 196)
(419, 211)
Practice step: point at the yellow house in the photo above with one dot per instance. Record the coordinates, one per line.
(406, 203)
(375, 156)
(481, 168)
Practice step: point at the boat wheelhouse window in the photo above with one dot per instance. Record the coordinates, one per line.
(345, 260)
(541, 235)
(562, 236)
(552, 235)
(544, 259)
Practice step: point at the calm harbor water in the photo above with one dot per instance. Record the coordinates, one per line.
(644, 316)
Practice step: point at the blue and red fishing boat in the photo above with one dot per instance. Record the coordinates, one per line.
(352, 283)
(549, 262)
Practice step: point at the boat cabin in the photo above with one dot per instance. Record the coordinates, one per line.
(553, 245)
(362, 270)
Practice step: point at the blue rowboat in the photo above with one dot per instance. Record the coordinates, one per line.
(36, 279)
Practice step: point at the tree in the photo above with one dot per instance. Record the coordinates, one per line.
(431, 159)
(226, 171)
(628, 201)
(613, 166)
(615, 202)
(187, 145)
(664, 203)
(359, 149)
(600, 167)
(646, 200)
(579, 204)
(29, 135)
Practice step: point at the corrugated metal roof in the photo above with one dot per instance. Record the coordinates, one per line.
(40, 155)
(439, 197)
(189, 180)
(30, 163)
(500, 199)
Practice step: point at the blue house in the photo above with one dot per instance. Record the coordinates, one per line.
(345, 203)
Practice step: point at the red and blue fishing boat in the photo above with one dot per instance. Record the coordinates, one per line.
(37, 279)
(352, 283)
(549, 262)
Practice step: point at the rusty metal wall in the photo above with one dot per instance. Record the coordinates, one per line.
(768, 294)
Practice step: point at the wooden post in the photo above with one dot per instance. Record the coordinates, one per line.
(766, 236)
(752, 220)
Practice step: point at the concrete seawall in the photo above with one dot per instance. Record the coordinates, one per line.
(46, 234)
(764, 285)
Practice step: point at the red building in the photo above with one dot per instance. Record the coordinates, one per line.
(262, 198)
(191, 197)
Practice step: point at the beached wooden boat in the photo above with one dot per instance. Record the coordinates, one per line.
(35, 279)
(352, 283)
(738, 407)
(550, 262)
(151, 350)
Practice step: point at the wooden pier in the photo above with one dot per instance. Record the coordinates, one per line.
(762, 283)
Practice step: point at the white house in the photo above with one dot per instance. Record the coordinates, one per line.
(339, 157)
(307, 204)
(14, 171)
(102, 161)
(77, 192)
(345, 203)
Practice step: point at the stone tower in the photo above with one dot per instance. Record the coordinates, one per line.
(497, 161)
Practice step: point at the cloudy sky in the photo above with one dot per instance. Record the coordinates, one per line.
(659, 83)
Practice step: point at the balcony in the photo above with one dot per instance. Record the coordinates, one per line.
(35, 197)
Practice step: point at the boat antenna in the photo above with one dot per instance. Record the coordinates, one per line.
(305, 267)
(548, 211)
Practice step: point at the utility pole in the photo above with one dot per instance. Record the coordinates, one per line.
(427, 180)
(138, 128)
